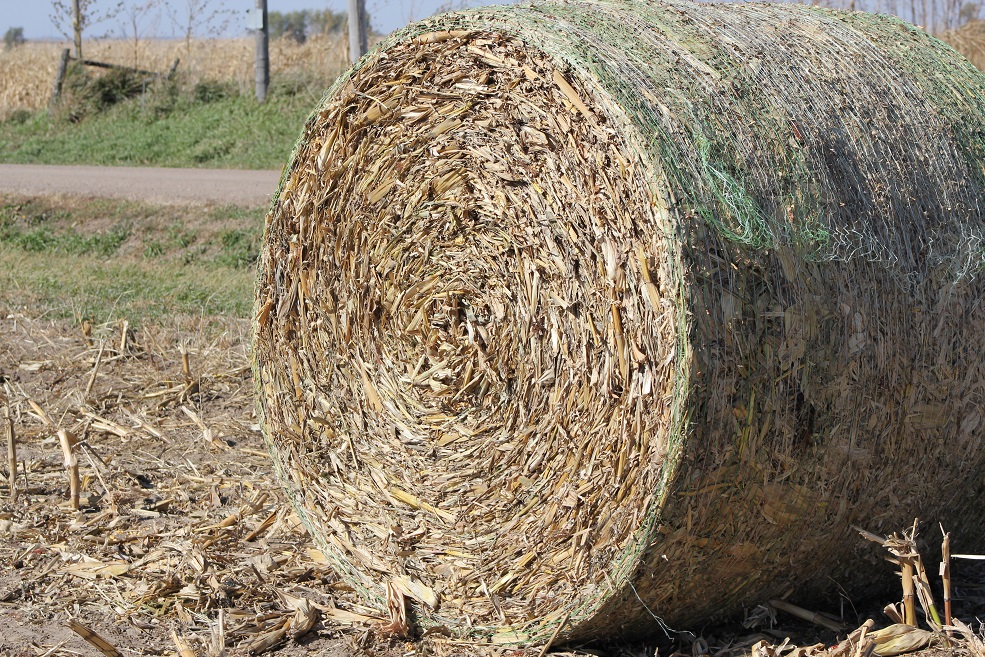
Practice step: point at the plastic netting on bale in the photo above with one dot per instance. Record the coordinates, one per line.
(575, 316)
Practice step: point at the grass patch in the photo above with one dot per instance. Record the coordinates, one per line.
(106, 259)
(76, 286)
(211, 125)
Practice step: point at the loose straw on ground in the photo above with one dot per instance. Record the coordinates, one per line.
(183, 647)
(42, 414)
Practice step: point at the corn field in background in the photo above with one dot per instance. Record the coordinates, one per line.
(29, 70)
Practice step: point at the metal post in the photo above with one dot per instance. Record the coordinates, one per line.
(77, 28)
(357, 30)
(263, 54)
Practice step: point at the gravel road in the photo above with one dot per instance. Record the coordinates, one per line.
(154, 185)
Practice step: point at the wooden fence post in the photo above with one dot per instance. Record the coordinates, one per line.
(262, 56)
(77, 28)
(357, 30)
(56, 92)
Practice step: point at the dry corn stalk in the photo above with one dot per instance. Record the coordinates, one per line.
(904, 554)
(8, 426)
(916, 584)
(186, 370)
(95, 370)
(68, 441)
(182, 646)
(945, 574)
(93, 638)
(575, 312)
(909, 595)
(809, 616)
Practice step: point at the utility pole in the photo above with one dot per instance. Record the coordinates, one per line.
(263, 53)
(357, 30)
(77, 28)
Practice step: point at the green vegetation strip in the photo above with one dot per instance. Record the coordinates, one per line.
(102, 259)
(209, 125)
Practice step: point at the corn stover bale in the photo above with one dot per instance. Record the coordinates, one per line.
(593, 314)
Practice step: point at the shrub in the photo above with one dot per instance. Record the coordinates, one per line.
(84, 93)
(19, 117)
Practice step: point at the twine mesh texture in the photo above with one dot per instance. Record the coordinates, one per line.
(596, 313)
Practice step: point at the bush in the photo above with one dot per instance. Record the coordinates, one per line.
(160, 99)
(116, 85)
(19, 117)
(84, 94)
(299, 25)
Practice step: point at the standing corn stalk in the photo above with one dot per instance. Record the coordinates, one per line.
(8, 425)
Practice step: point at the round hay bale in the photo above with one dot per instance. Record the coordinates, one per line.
(589, 317)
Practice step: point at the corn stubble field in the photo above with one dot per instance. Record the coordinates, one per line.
(183, 542)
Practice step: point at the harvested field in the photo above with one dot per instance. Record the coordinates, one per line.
(181, 483)
(185, 532)
(589, 319)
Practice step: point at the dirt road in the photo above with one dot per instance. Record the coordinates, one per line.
(154, 185)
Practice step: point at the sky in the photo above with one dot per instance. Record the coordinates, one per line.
(386, 15)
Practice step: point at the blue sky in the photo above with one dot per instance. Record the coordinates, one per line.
(387, 15)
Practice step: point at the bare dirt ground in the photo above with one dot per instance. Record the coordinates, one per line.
(154, 185)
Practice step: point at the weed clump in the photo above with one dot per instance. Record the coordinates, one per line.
(19, 117)
(85, 93)
(210, 91)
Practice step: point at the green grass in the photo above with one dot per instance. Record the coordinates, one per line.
(201, 127)
(107, 259)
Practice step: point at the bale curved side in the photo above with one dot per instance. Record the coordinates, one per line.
(613, 314)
